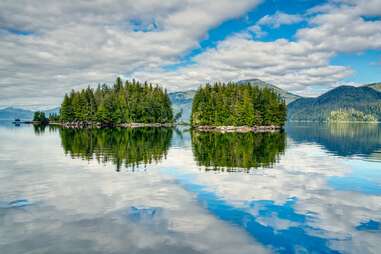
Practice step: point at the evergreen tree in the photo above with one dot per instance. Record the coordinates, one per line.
(238, 105)
(128, 103)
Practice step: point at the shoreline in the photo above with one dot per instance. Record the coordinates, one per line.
(243, 129)
(203, 128)
(81, 125)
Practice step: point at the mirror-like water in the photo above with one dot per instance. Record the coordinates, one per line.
(310, 189)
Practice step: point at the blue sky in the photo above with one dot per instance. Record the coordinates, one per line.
(306, 47)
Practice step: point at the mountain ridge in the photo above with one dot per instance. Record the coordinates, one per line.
(350, 99)
(11, 113)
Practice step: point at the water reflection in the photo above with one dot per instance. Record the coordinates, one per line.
(305, 201)
(41, 129)
(237, 151)
(128, 147)
(342, 139)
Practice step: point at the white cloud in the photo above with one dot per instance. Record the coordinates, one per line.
(301, 66)
(344, 29)
(72, 44)
(279, 18)
(290, 65)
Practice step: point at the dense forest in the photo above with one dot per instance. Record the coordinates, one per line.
(131, 102)
(237, 151)
(128, 147)
(237, 105)
(344, 103)
(350, 115)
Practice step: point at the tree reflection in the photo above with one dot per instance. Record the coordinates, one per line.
(237, 151)
(128, 147)
(39, 129)
(343, 139)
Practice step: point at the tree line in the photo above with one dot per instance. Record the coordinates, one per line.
(237, 105)
(128, 102)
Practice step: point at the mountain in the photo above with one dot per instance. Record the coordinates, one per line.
(342, 103)
(375, 86)
(287, 96)
(11, 113)
(52, 111)
(183, 100)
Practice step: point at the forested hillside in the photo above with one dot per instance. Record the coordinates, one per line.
(237, 105)
(131, 102)
(344, 103)
(375, 86)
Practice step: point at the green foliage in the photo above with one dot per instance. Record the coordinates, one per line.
(130, 147)
(230, 151)
(350, 115)
(39, 116)
(237, 105)
(131, 102)
(344, 98)
(54, 117)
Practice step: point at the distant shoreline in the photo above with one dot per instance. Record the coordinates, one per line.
(269, 128)
(308, 121)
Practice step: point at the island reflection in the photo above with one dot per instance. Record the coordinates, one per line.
(123, 147)
(341, 139)
(237, 151)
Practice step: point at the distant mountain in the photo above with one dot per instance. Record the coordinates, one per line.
(343, 101)
(11, 113)
(375, 86)
(183, 100)
(52, 111)
(287, 96)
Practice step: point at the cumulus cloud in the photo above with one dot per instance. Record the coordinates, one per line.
(301, 65)
(290, 65)
(49, 48)
(279, 18)
(344, 28)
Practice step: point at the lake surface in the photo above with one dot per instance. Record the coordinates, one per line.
(311, 189)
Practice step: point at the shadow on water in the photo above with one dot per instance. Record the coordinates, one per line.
(128, 147)
(342, 139)
(237, 151)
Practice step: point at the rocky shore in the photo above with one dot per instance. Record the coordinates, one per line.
(270, 128)
(79, 125)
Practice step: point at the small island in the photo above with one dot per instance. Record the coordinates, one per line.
(128, 104)
(237, 107)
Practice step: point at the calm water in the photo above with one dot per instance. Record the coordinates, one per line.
(312, 189)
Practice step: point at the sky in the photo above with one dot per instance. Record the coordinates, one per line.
(306, 47)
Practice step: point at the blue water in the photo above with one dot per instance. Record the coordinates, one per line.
(312, 189)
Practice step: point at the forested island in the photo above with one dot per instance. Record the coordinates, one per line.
(123, 104)
(237, 107)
